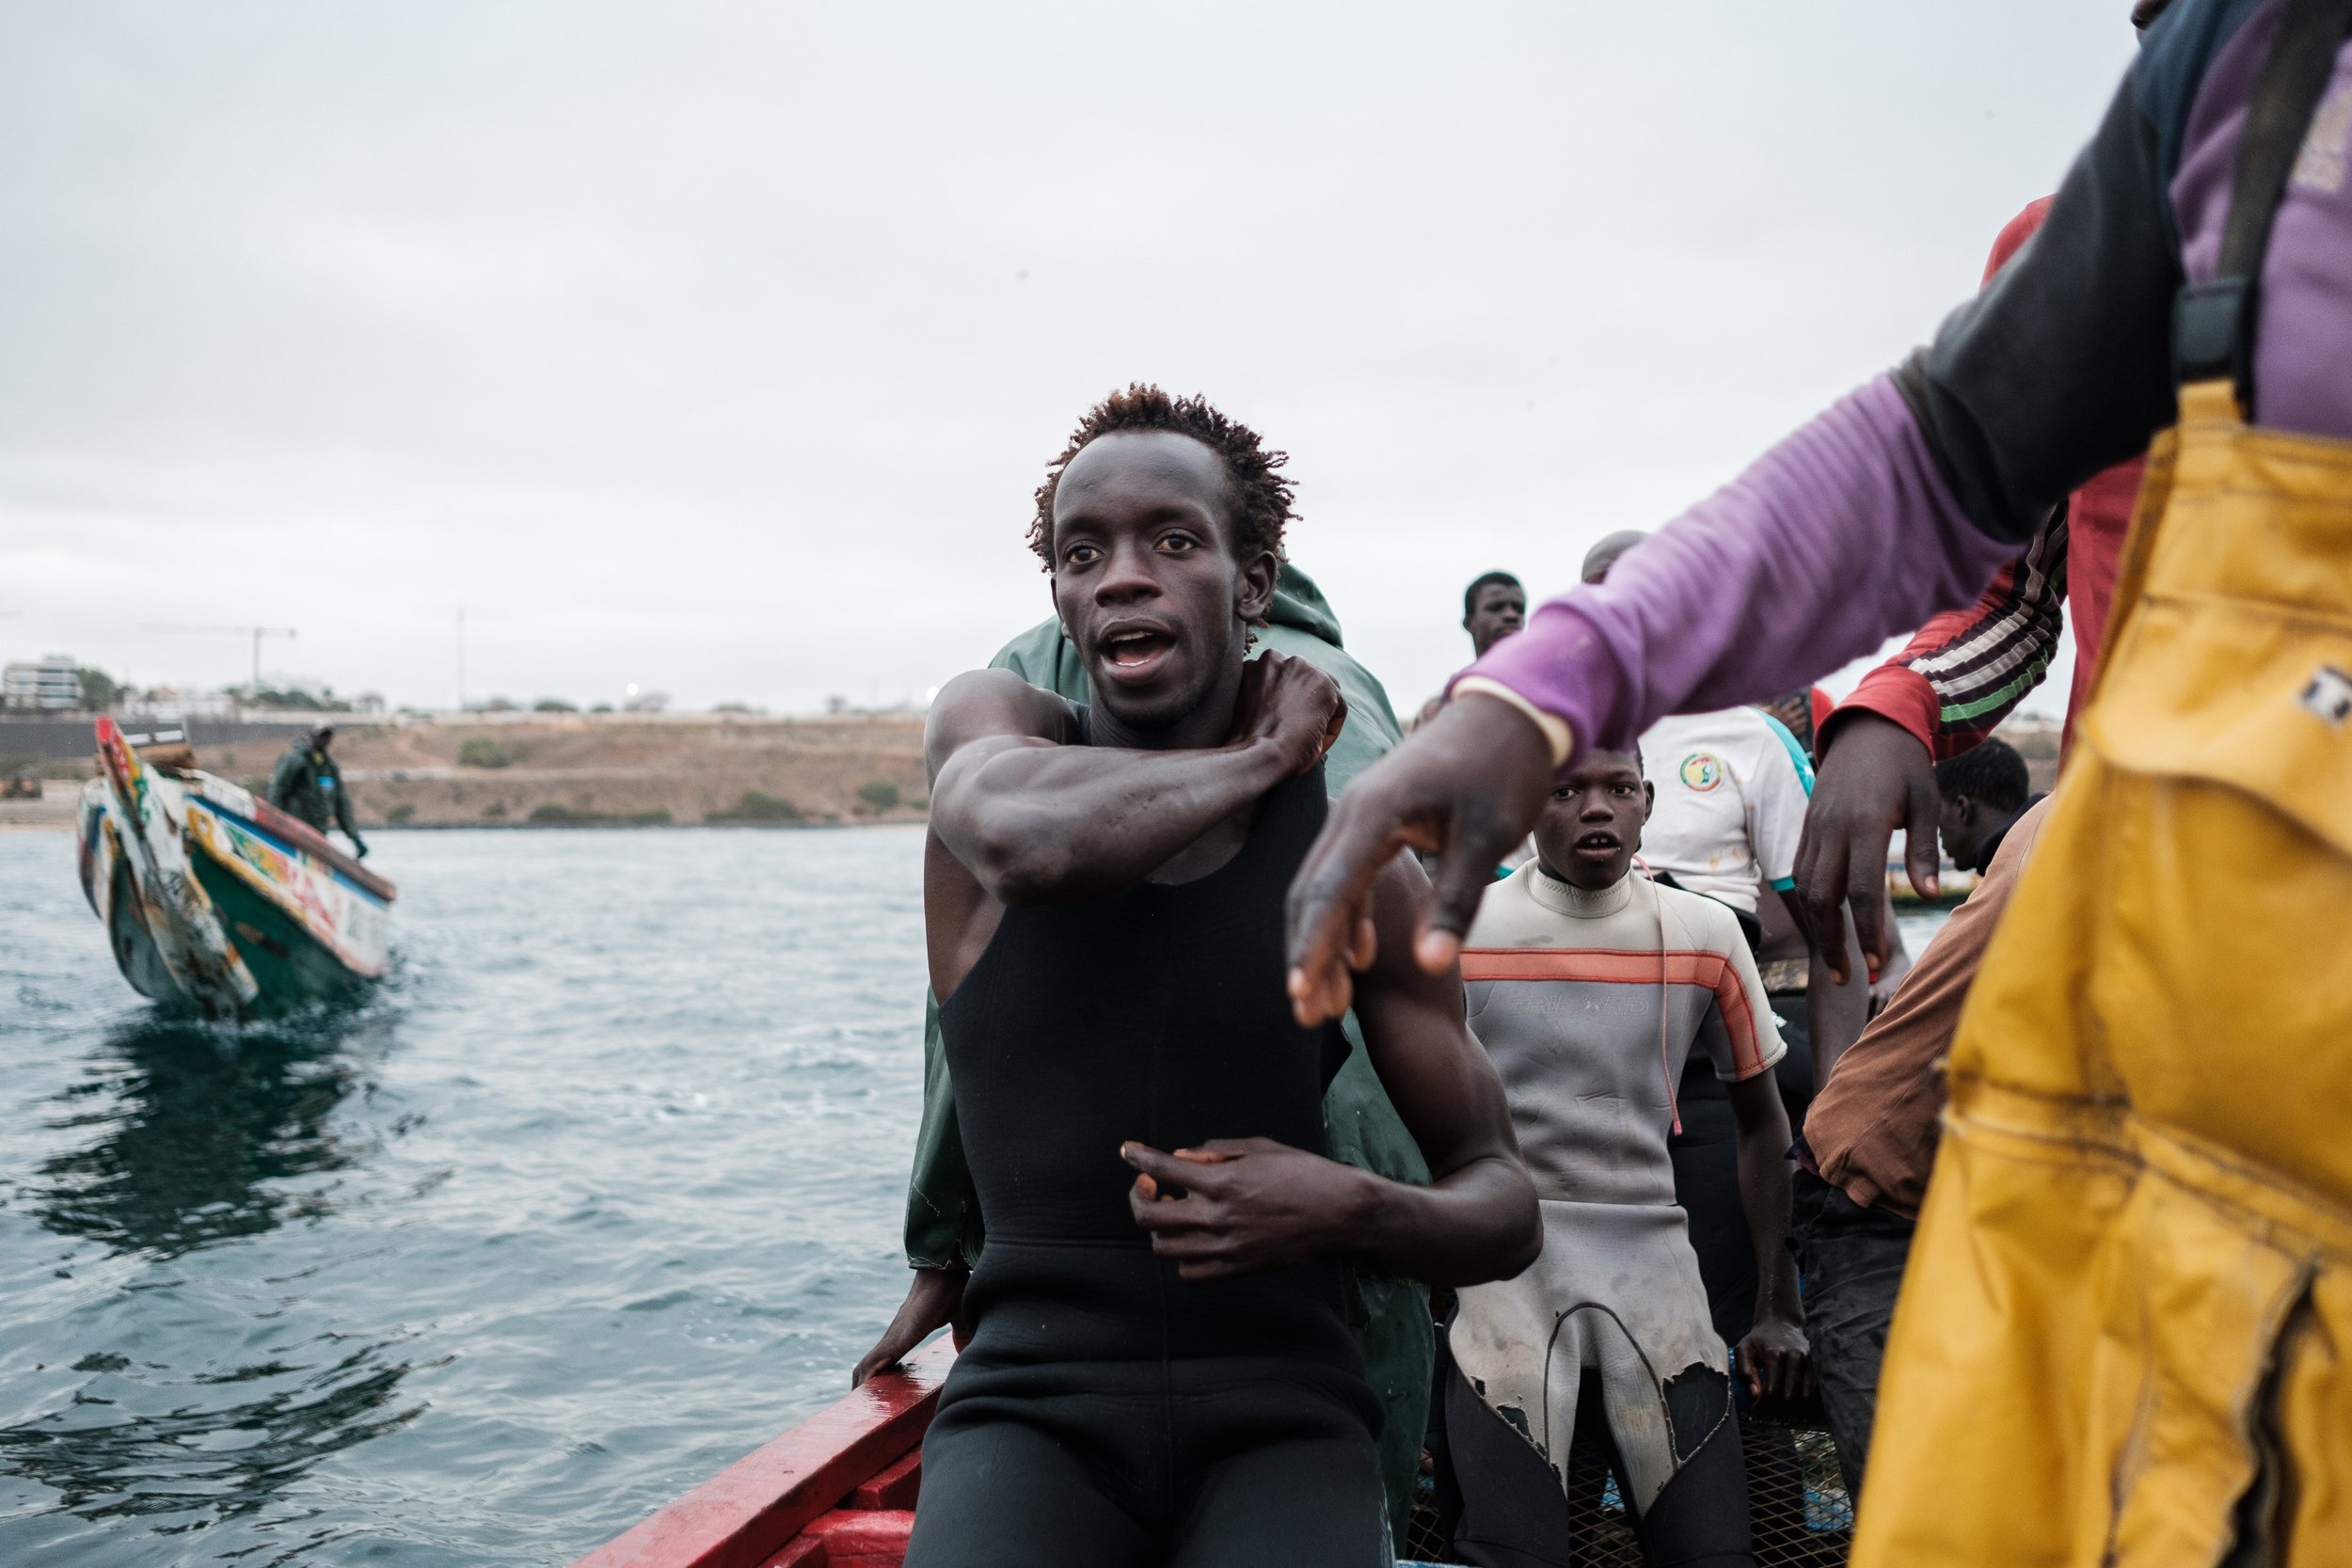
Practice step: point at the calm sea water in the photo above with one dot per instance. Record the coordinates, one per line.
(600, 1191)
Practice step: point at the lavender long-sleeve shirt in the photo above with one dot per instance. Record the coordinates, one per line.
(1904, 497)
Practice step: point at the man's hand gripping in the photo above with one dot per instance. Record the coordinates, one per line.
(934, 1301)
(1237, 1205)
(1292, 706)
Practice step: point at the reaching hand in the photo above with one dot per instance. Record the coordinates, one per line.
(1778, 1360)
(934, 1299)
(1291, 703)
(1876, 778)
(1249, 1203)
(1467, 787)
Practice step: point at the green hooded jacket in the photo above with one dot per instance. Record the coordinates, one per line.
(1389, 1315)
(306, 785)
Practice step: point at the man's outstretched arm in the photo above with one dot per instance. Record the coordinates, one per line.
(1035, 817)
(1253, 1203)
(1898, 502)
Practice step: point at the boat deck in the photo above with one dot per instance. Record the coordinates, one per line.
(838, 1491)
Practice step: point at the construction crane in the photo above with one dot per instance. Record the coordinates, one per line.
(257, 633)
(461, 612)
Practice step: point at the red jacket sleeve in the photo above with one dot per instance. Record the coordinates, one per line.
(1962, 673)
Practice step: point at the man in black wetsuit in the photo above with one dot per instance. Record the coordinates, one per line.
(1159, 1368)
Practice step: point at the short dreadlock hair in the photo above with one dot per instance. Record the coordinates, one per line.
(1256, 490)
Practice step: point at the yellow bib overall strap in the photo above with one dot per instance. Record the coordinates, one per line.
(2126, 1334)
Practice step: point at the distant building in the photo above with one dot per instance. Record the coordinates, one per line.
(50, 684)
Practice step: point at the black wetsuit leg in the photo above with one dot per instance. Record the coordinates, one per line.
(1516, 1513)
(1276, 1474)
(998, 1494)
(1206, 1464)
(1700, 1518)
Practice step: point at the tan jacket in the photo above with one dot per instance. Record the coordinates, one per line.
(1873, 1129)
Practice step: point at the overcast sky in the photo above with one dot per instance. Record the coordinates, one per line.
(717, 348)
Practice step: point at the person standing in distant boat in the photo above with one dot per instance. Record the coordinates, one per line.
(1159, 1367)
(309, 787)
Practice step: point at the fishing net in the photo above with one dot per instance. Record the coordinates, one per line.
(1798, 1510)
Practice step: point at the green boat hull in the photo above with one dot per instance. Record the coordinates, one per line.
(292, 969)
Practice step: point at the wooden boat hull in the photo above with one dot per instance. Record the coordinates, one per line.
(837, 1491)
(215, 900)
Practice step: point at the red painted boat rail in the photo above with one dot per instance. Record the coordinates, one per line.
(311, 842)
(837, 1491)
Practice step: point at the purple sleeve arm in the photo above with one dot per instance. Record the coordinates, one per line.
(1839, 538)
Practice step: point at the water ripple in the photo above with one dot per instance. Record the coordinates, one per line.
(600, 1190)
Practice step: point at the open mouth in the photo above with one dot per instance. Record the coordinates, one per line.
(1138, 651)
(1599, 846)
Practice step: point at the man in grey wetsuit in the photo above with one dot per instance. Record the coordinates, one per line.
(1590, 986)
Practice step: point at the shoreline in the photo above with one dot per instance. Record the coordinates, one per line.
(65, 825)
(554, 770)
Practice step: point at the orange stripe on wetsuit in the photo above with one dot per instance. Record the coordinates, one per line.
(1706, 970)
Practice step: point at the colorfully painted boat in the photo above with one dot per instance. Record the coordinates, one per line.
(214, 899)
(837, 1491)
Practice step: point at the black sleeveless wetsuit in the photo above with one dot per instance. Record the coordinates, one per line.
(1107, 1411)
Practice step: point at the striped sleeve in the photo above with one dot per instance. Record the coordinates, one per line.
(1965, 670)
(1739, 1035)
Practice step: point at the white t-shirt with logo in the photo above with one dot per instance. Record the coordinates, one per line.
(1732, 788)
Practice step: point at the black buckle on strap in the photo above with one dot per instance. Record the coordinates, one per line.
(2210, 333)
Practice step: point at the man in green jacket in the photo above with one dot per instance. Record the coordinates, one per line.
(308, 786)
(1389, 1315)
